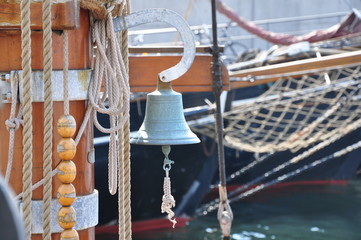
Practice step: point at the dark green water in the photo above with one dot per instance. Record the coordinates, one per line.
(296, 213)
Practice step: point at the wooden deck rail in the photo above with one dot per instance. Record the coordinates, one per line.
(265, 74)
(143, 73)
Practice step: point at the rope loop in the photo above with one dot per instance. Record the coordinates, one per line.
(110, 73)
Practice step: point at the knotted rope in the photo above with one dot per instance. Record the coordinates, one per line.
(13, 123)
(48, 119)
(168, 200)
(28, 128)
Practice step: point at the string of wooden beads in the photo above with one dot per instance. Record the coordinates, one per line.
(66, 194)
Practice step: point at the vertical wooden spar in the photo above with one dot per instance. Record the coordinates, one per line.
(65, 17)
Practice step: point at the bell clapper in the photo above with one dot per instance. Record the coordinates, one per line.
(168, 200)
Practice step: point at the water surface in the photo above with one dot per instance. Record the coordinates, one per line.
(295, 213)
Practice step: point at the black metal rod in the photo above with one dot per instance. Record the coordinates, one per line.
(217, 90)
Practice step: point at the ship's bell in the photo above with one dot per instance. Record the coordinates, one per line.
(164, 122)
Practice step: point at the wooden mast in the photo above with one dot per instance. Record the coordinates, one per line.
(66, 16)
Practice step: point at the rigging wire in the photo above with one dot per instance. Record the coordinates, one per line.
(225, 215)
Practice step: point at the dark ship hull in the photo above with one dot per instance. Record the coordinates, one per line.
(196, 169)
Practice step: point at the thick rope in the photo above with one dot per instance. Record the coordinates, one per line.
(121, 156)
(124, 200)
(28, 127)
(48, 119)
(124, 211)
(13, 124)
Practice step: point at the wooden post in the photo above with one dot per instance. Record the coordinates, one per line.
(10, 42)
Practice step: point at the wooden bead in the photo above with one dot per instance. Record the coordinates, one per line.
(66, 171)
(69, 234)
(66, 126)
(66, 148)
(66, 217)
(66, 194)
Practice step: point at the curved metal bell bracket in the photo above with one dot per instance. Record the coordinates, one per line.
(164, 122)
(172, 18)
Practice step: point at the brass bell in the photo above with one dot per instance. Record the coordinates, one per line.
(164, 122)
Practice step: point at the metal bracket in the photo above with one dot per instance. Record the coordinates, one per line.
(78, 85)
(172, 18)
(84, 218)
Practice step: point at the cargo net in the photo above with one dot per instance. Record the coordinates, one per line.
(294, 113)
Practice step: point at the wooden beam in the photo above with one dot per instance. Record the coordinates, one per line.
(271, 73)
(65, 14)
(144, 70)
(10, 48)
(169, 49)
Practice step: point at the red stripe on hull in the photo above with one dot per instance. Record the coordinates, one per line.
(144, 226)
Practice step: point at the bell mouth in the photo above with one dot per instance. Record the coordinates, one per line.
(144, 138)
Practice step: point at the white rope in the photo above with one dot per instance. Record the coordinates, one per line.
(168, 201)
(109, 66)
(13, 123)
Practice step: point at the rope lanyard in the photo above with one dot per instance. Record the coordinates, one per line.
(13, 123)
(66, 149)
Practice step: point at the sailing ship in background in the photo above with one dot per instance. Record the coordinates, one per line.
(298, 130)
(310, 114)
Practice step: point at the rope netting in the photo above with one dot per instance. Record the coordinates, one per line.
(295, 112)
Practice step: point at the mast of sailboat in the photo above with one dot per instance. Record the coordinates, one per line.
(225, 215)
